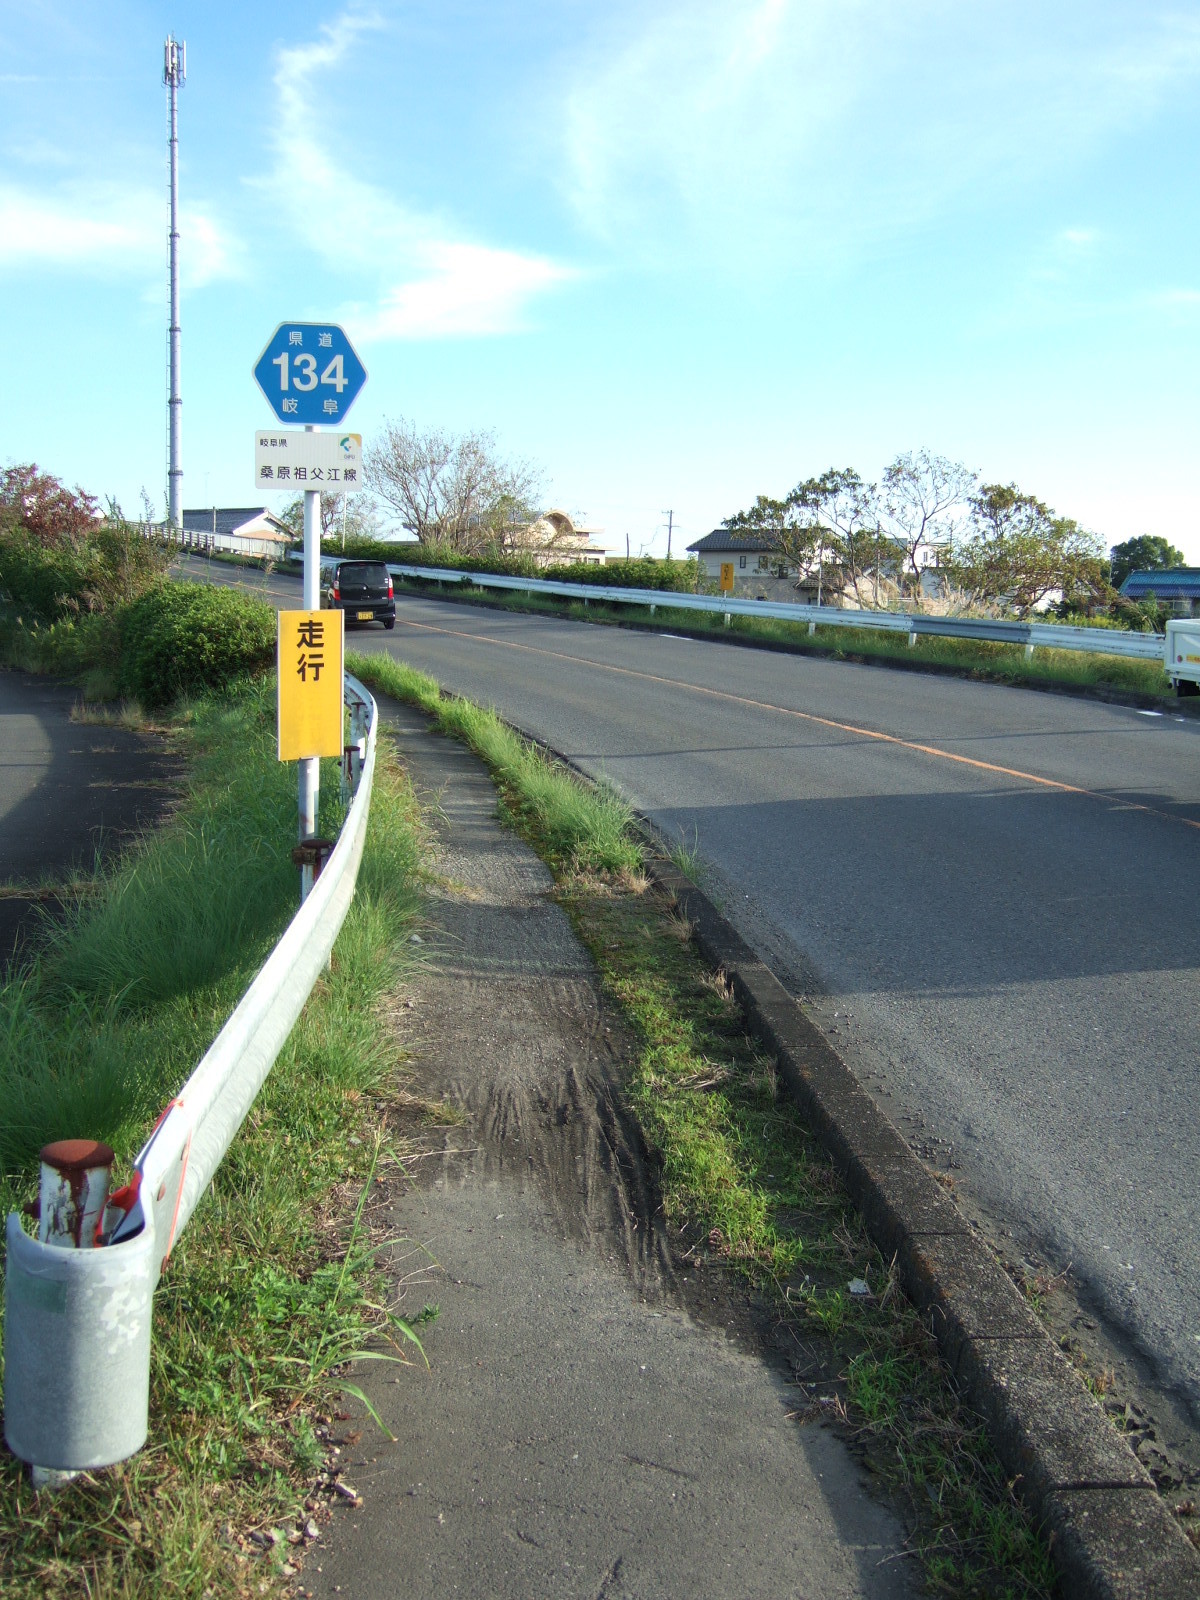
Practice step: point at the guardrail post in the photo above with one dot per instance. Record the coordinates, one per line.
(812, 628)
(72, 1195)
(1029, 648)
(912, 639)
(73, 1192)
(76, 1327)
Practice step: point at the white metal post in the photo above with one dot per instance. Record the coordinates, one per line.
(174, 75)
(310, 767)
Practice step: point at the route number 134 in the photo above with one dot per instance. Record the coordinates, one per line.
(299, 371)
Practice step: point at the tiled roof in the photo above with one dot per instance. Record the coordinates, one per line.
(1168, 583)
(228, 519)
(720, 539)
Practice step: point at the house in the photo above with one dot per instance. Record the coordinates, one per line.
(759, 572)
(1177, 588)
(554, 537)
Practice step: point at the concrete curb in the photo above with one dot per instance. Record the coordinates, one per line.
(1112, 1537)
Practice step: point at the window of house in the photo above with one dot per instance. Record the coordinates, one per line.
(741, 561)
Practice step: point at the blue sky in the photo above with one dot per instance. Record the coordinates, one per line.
(674, 254)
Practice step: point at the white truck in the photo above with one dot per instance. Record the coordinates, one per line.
(1182, 652)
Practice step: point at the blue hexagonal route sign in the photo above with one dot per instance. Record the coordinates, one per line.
(310, 372)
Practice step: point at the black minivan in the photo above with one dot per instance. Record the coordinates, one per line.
(361, 589)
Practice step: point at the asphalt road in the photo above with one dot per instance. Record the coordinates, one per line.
(70, 794)
(990, 896)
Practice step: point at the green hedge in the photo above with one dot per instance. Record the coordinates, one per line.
(185, 637)
(641, 573)
(109, 565)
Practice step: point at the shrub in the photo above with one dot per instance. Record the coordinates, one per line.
(183, 637)
(642, 572)
(43, 582)
(59, 557)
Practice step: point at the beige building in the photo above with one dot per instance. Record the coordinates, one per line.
(554, 537)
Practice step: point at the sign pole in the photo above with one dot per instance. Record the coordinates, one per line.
(310, 374)
(310, 767)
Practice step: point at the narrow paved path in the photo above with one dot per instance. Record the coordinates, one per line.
(70, 793)
(579, 1434)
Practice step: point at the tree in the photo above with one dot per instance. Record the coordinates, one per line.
(1017, 551)
(829, 525)
(355, 513)
(785, 525)
(451, 489)
(1148, 552)
(846, 514)
(921, 500)
(39, 503)
(60, 557)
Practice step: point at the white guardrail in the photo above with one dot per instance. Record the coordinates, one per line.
(1033, 635)
(77, 1318)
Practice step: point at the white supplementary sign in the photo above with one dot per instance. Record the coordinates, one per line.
(292, 458)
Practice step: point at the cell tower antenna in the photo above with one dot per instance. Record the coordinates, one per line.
(174, 76)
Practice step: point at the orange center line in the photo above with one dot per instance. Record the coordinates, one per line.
(807, 716)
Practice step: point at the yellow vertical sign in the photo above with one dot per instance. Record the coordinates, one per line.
(310, 684)
(726, 577)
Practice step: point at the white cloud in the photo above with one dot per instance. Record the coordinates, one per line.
(432, 281)
(469, 289)
(85, 229)
(1175, 300)
(743, 124)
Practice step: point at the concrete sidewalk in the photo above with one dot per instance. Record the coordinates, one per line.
(580, 1432)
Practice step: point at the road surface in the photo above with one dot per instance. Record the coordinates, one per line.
(991, 898)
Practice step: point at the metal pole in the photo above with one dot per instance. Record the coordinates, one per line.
(174, 76)
(310, 767)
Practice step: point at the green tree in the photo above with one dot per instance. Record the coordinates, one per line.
(1148, 552)
(1016, 552)
(788, 527)
(829, 526)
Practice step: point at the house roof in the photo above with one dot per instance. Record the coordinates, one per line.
(233, 519)
(1166, 583)
(720, 539)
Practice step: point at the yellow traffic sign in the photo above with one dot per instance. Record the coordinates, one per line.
(726, 577)
(310, 684)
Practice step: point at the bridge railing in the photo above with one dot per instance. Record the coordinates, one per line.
(915, 625)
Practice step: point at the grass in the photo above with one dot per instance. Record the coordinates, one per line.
(1003, 663)
(275, 1284)
(583, 828)
(746, 1190)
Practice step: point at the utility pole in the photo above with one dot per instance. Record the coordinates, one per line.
(174, 76)
(670, 516)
